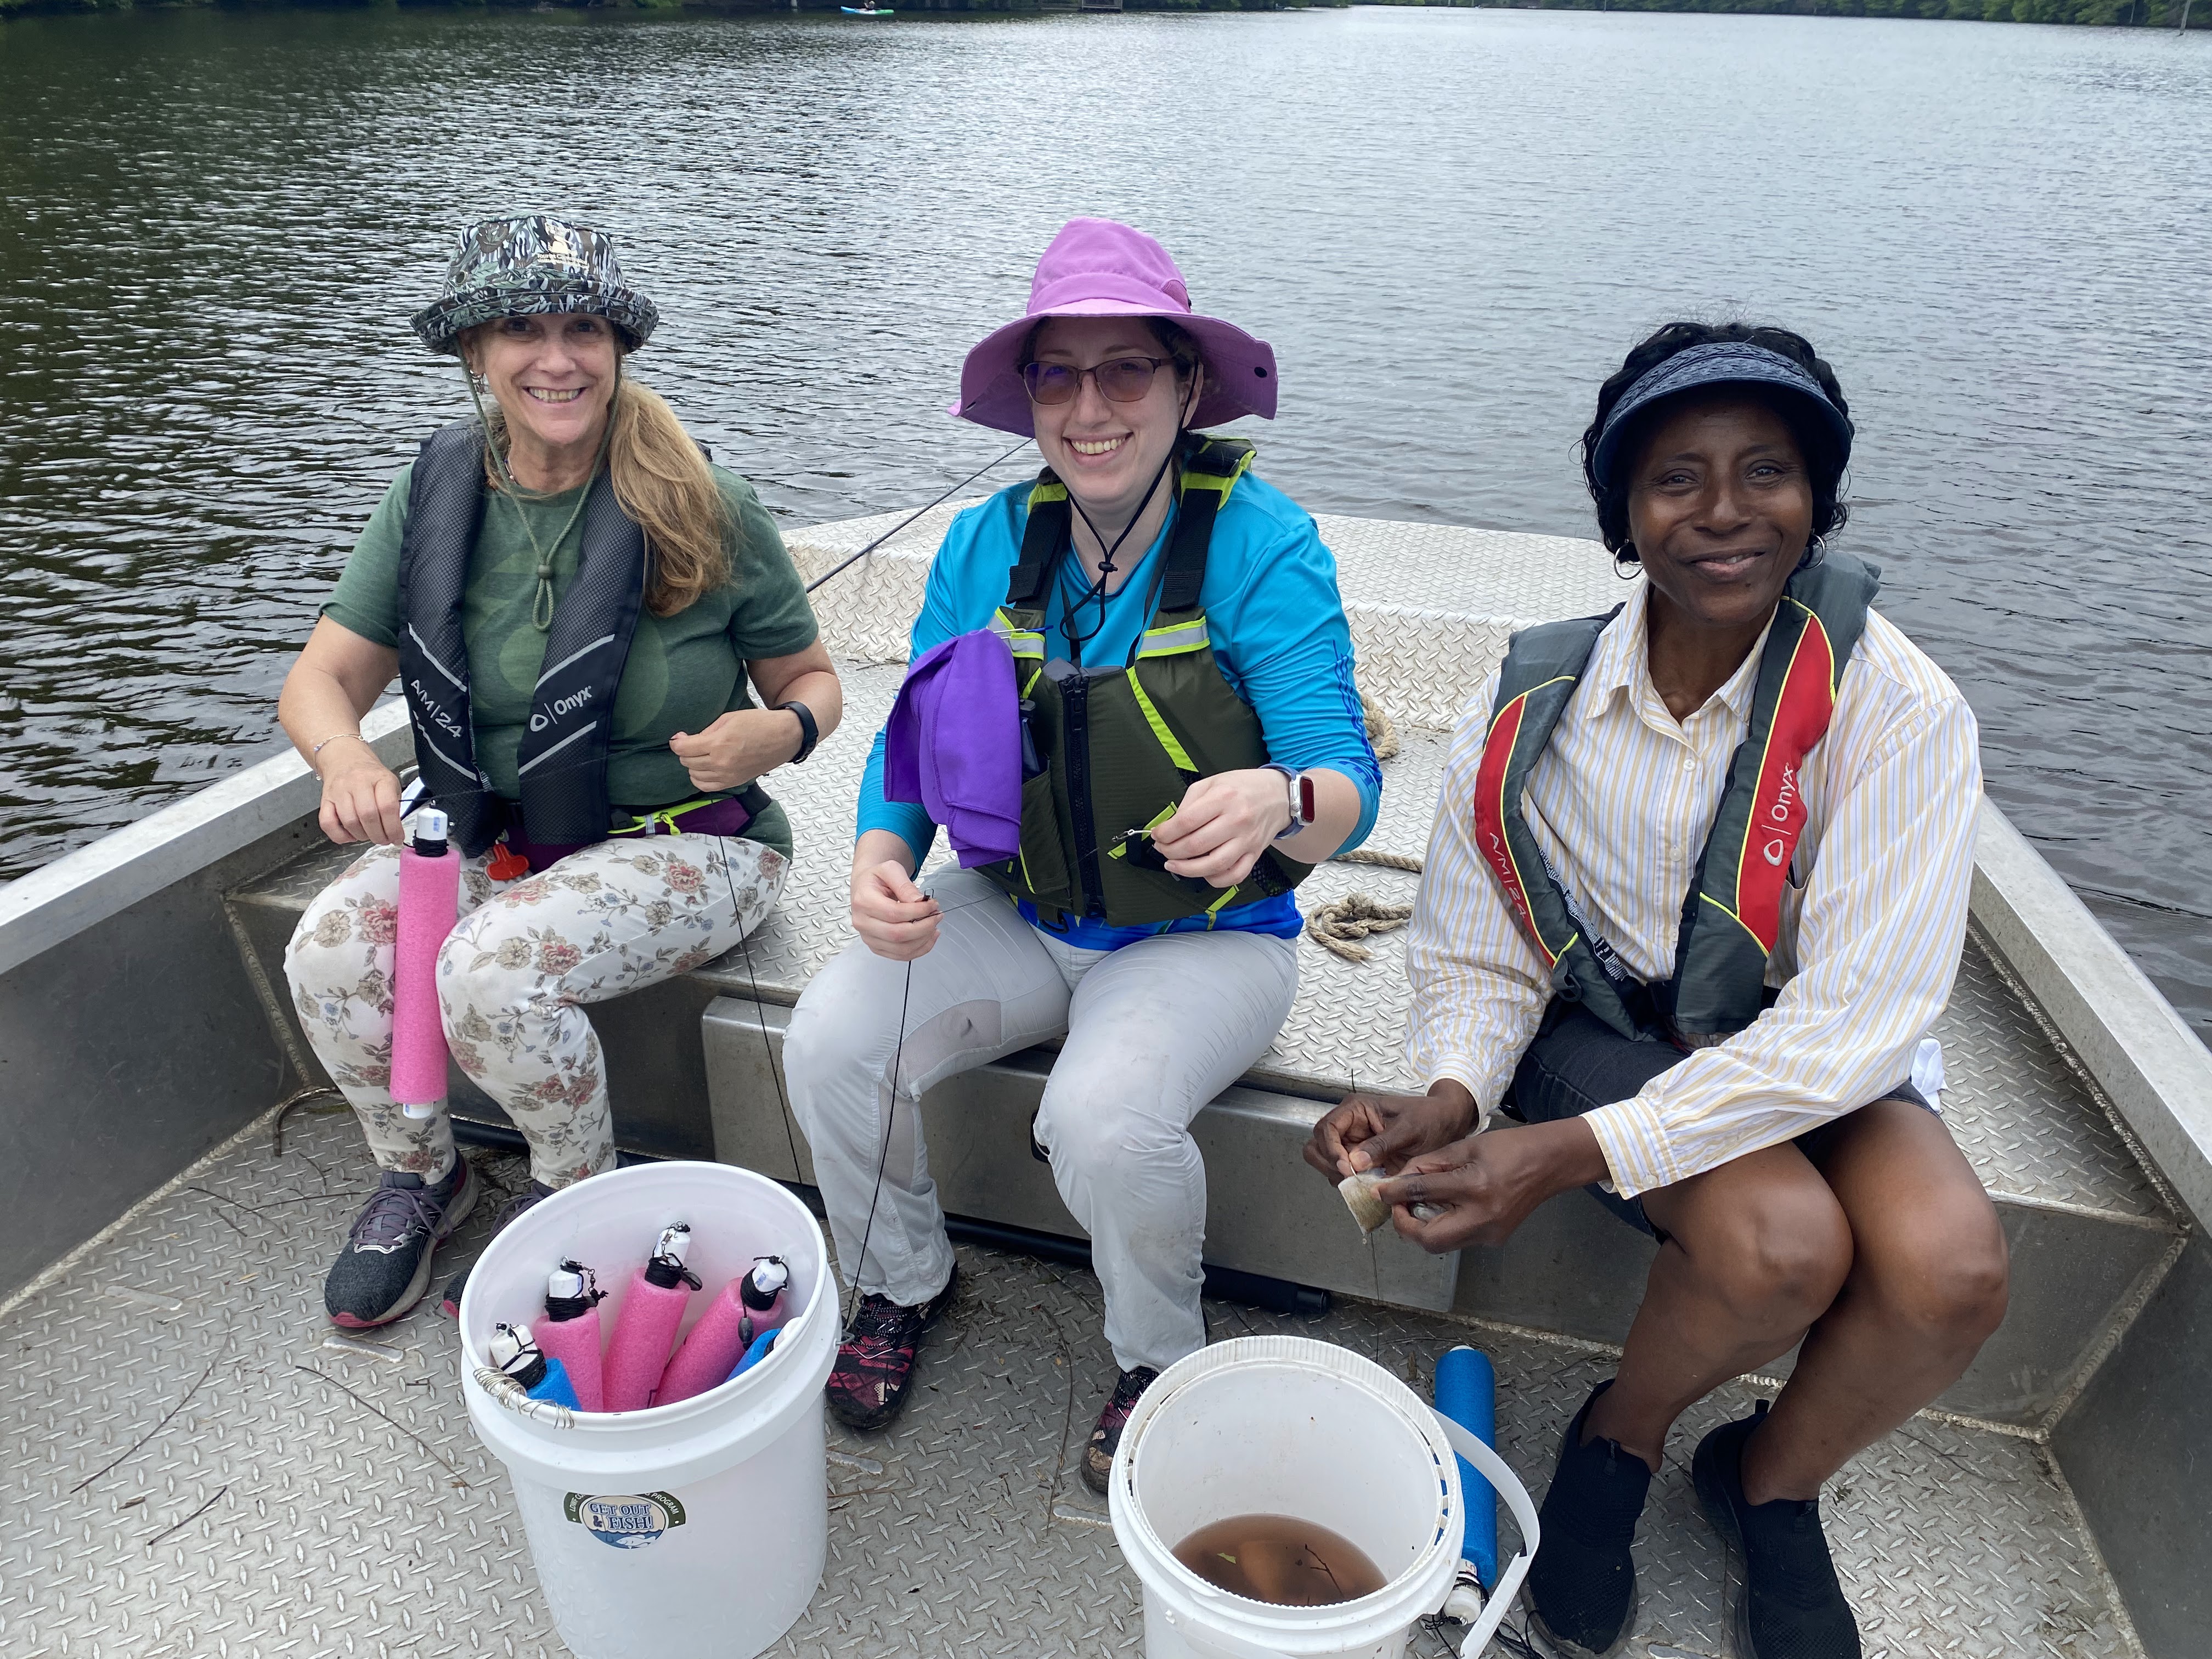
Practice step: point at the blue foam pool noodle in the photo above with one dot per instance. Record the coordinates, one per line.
(754, 1355)
(556, 1386)
(1467, 1392)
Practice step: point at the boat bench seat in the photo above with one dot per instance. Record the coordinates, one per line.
(695, 1066)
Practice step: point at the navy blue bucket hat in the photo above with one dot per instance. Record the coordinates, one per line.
(533, 264)
(1721, 363)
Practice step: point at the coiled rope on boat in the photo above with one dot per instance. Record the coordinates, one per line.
(1340, 926)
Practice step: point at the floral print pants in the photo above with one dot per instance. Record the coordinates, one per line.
(511, 977)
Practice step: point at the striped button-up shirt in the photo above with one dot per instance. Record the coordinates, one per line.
(1873, 917)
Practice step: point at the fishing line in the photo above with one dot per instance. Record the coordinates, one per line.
(891, 1111)
(848, 564)
(760, 1010)
(883, 1158)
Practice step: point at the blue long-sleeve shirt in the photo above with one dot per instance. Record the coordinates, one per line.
(1278, 634)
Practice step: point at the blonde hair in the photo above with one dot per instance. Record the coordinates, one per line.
(663, 482)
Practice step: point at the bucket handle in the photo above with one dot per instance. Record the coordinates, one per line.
(505, 1391)
(1494, 1469)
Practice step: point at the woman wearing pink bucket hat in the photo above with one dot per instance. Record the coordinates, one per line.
(1189, 746)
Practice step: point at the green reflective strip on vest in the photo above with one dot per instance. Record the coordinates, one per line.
(1176, 751)
(1022, 642)
(1222, 482)
(1178, 637)
(1041, 492)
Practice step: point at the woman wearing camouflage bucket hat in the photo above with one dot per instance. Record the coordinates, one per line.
(576, 602)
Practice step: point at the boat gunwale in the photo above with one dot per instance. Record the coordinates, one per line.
(2112, 1022)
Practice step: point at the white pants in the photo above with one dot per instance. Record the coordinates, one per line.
(1154, 1031)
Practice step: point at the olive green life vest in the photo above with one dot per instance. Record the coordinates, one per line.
(1733, 913)
(1116, 747)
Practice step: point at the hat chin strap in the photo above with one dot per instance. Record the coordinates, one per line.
(1096, 592)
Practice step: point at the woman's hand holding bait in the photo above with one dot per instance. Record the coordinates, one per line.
(893, 917)
(1225, 822)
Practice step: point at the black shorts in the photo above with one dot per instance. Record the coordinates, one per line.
(1579, 1063)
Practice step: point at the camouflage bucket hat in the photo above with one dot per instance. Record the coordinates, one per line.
(532, 265)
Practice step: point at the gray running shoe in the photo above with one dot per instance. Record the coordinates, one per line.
(384, 1267)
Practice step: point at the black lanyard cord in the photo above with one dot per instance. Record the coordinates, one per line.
(1096, 591)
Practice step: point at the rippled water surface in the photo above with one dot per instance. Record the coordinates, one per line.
(1451, 224)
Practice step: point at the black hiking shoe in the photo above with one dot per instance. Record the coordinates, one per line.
(1098, 1454)
(385, 1266)
(1582, 1585)
(536, 1192)
(875, 1362)
(1783, 1599)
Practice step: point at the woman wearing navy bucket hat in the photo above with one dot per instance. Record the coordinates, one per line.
(1181, 741)
(1696, 892)
(580, 607)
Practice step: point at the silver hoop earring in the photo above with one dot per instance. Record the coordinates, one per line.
(1626, 563)
(1815, 555)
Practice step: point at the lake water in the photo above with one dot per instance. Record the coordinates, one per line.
(1450, 224)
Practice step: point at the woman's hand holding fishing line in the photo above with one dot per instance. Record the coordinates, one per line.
(1224, 822)
(738, 747)
(1484, 1185)
(894, 918)
(361, 794)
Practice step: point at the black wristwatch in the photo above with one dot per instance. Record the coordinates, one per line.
(809, 733)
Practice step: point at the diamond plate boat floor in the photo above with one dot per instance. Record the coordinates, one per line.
(194, 1464)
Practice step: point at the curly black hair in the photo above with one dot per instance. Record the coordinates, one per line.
(1822, 458)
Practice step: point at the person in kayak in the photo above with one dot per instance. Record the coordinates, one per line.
(1187, 744)
(1730, 1074)
(581, 609)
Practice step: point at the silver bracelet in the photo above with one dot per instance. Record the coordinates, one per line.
(316, 748)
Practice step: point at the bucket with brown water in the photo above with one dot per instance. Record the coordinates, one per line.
(1331, 1486)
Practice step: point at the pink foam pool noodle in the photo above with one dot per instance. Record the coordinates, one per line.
(644, 1329)
(751, 1303)
(429, 900)
(570, 1331)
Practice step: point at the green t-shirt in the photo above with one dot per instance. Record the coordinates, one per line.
(681, 672)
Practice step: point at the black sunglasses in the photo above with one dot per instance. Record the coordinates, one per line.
(1124, 380)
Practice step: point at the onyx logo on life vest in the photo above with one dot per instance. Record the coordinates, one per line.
(1778, 815)
(555, 711)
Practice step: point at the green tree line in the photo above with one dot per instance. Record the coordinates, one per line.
(2143, 14)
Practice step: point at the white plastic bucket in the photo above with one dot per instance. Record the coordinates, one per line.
(1285, 1425)
(698, 1527)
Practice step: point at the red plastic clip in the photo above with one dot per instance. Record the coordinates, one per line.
(506, 864)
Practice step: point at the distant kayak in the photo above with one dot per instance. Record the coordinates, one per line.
(867, 11)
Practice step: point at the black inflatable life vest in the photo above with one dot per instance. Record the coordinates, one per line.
(562, 760)
(1732, 914)
(1119, 745)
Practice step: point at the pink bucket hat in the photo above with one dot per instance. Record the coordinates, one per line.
(1096, 268)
